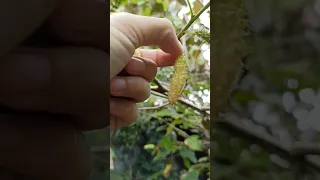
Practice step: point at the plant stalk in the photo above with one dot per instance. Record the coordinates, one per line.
(195, 17)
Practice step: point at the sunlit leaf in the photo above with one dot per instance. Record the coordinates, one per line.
(182, 2)
(167, 170)
(149, 146)
(191, 176)
(193, 142)
(197, 5)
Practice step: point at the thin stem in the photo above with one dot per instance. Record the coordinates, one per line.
(195, 17)
(191, 11)
(154, 107)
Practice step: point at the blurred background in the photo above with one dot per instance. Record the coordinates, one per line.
(265, 77)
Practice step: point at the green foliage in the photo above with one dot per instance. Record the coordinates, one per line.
(204, 35)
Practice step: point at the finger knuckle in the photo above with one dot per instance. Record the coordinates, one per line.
(133, 113)
(166, 23)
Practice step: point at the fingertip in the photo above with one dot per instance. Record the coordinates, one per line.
(171, 45)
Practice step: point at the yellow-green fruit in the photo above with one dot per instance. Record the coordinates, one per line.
(178, 79)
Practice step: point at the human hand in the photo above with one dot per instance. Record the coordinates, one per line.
(128, 32)
(128, 90)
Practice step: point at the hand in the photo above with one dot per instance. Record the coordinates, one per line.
(128, 32)
(128, 90)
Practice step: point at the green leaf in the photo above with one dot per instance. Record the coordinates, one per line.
(161, 128)
(185, 153)
(201, 61)
(191, 176)
(115, 176)
(112, 153)
(167, 144)
(197, 5)
(193, 143)
(186, 162)
(182, 2)
(149, 146)
(157, 8)
(161, 155)
(163, 112)
(147, 11)
(165, 5)
(203, 159)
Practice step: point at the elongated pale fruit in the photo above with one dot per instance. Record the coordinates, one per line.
(178, 79)
(137, 52)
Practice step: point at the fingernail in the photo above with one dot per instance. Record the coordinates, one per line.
(136, 65)
(118, 84)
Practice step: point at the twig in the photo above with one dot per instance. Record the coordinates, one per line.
(265, 141)
(160, 87)
(154, 107)
(206, 108)
(179, 131)
(195, 17)
(191, 11)
(156, 93)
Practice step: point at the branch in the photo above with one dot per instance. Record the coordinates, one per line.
(191, 11)
(194, 18)
(154, 107)
(162, 90)
(160, 87)
(267, 142)
(302, 148)
(156, 93)
(179, 131)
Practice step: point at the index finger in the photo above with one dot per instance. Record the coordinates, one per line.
(157, 32)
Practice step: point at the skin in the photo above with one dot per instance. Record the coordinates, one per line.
(127, 33)
(71, 80)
